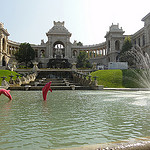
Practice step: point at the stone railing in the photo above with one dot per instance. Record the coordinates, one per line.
(85, 80)
(19, 81)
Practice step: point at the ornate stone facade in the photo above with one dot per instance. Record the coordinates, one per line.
(7, 47)
(59, 52)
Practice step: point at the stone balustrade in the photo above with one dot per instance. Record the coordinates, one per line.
(83, 80)
(18, 81)
(23, 80)
(11, 81)
(4, 82)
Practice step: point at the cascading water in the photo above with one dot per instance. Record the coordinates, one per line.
(141, 69)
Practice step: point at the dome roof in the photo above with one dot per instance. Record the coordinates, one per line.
(58, 29)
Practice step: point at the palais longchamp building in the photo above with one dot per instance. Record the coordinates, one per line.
(59, 52)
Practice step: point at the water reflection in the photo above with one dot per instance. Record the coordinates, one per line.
(72, 118)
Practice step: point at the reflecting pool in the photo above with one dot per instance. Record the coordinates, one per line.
(72, 118)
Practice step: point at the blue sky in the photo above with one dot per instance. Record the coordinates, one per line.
(87, 20)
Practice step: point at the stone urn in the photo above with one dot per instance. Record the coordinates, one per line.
(14, 66)
(35, 67)
(74, 66)
(94, 66)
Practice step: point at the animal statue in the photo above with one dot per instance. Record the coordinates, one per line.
(45, 89)
(6, 93)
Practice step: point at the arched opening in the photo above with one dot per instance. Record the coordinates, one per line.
(143, 40)
(117, 58)
(74, 53)
(3, 45)
(134, 42)
(58, 50)
(42, 53)
(58, 63)
(108, 59)
(108, 45)
(3, 61)
(117, 45)
(139, 41)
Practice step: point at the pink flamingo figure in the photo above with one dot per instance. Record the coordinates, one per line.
(6, 93)
(45, 89)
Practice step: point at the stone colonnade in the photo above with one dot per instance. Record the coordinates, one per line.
(6, 54)
(7, 47)
(11, 49)
(96, 53)
(93, 51)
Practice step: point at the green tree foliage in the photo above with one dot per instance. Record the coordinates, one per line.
(80, 44)
(127, 45)
(25, 53)
(82, 61)
(124, 55)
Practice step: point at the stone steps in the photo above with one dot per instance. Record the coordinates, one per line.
(57, 84)
(28, 88)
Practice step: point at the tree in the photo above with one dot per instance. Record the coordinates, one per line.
(25, 53)
(127, 45)
(79, 44)
(82, 60)
(124, 54)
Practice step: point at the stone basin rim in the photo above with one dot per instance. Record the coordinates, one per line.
(142, 143)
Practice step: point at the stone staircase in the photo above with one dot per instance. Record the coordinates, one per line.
(57, 84)
(60, 81)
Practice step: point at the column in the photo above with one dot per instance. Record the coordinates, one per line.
(104, 51)
(6, 47)
(11, 50)
(88, 54)
(50, 49)
(96, 53)
(1, 59)
(0, 45)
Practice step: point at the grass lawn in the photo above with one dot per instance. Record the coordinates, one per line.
(7, 73)
(116, 78)
(109, 78)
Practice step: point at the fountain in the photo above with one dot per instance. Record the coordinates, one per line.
(141, 69)
(82, 119)
(74, 118)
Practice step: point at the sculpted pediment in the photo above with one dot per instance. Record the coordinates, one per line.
(58, 29)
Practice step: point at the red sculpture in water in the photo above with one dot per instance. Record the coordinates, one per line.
(45, 89)
(6, 93)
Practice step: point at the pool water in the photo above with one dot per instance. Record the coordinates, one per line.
(72, 118)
